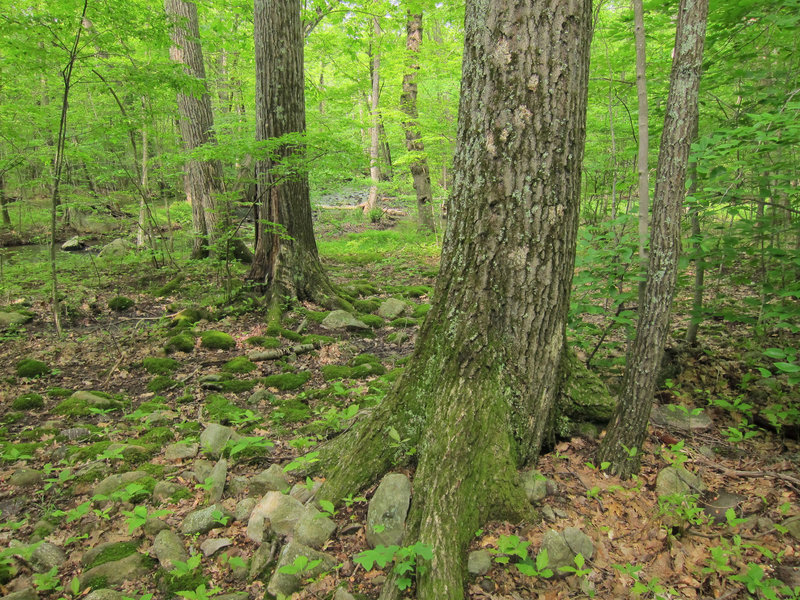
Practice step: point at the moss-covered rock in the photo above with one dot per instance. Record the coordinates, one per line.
(158, 436)
(161, 383)
(373, 321)
(120, 303)
(168, 288)
(290, 410)
(365, 358)
(265, 341)
(160, 366)
(331, 372)
(59, 392)
(287, 381)
(217, 340)
(28, 401)
(182, 342)
(404, 322)
(109, 552)
(186, 318)
(240, 364)
(366, 306)
(367, 370)
(584, 396)
(318, 339)
(28, 367)
(316, 316)
(80, 403)
(290, 335)
(420, 310)
(415, 291)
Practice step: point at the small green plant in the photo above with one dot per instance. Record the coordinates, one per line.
(579, 571)
(512, 547)
(349, 500)
(248, 445)
(302, 461)
(234, 562)
(139, 515)
(675, 455)
(49, 581)
(684, 508)
(405, 560)
(786, 363)
(327, 509)
(756, 582)
(301, 566)
(182, 569)
(220, 517)
(200, 593)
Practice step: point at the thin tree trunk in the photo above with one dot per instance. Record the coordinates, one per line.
(623, 442)
(644, 133)
(374, 134)
(142, 233)
(4, 201)
(408, 104)
(476, 398)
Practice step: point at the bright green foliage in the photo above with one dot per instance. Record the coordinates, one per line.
(407, 560)
(120, 303)
(28, 367)
(217, 340)
(291, 335)
(160, 366)
(28, 401)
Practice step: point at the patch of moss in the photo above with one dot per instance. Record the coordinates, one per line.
(393, 375)
(373, 321)
(315, 316)
(13, 417)
(169, 585)
(217, 340)
(415, 291)
(183, 342)
(97, 583)
(85, 453)
(161, 383)
(367, 370)
(157, 435)
(156, 403)
(365, 358)
(120, 303)
(160, 366)
(59, 392)
(28, 367)
(72, 407)
(113, 553)
(331, 372)
(28, 401)
(291, 410)
(318, 339)
(189, 427)
(12, 452)
(293, 336)
(220, 409)
(152, 469)
(363, 289)
(420, 310)
(240, 364)
(287, 381)
(404, 322)
(265, 341)
(169, 287)
(366, 306)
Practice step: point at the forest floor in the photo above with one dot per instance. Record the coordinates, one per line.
(55, 449)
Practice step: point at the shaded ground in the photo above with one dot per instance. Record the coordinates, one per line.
(643, 547)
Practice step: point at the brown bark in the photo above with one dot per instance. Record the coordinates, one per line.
(477, 396)
(286, 261)
(408, 104)
(622, 444)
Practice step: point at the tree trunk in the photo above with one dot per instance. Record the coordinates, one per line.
(477, 396)
(374, 133)
(644, 132)
(286, 262)
(203, 178)
(622, 445)
(4, 201)
(408, 104)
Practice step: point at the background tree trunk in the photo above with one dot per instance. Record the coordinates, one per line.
(408, 104)
(623, 442)
(284, 266)
(374, 133)
(643, 152)
(479, 390)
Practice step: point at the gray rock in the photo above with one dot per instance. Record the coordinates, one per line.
(92, 470)
(276, 511)
(117, 247)
(238, 485)
(168, 548)
(788, 575)
(153, 526)
(160, 417)
(244, 509)
(74, 434)
(181, 451)
(44, 528)
(792, 524)
(214, 439)
(204, 519)
(104, 594)
(563, 546)
(271, 480)
(260, 560)
(13, 319)
(719, 503)
(479, 562)
(127, 451)
(677, 480)
(165, 490)
(388, 509)
(95, 401)
(343, 594)
(535, 485)
(25, 478)
(26, 594)
(287, 584)
(303, 493)
(217, 476)
(392, 308)
(117, 571)
(202, 470)
(313, 528)
(548, 514)
(46, 556)
(213, 545)
(113, 548)
(73, 244)
(112, 483)
(341, 319)
(260, 396)
(669, 415)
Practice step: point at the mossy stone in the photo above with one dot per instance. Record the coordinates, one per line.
(183, 342)
(291, 410)
(161, 383)
(331, 372)
(415, 291)
(420, 310)
(160, 366)
(28, 401)
(120, 303)
(217, 340)
(265, 341)
(318, 339)
(366, 306)
(316, 316)
(240, 364)
(404, 322)
(290, 335)
(187, 318)
(373, 321)
(169, 287)
(365, 358)
(59, 392)
(157, 435)
(287, 381)
(236, 386)
(28, 367)
(109, 552)
(367, 370)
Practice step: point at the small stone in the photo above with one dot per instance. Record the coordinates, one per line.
(392, 308)
(287, 584)
(674, 417)
(217, 476)
(215, 438)
(303, 493)
(563, 547)
(271, 480)
(25, 478)
(168, 548)
(213, 545)
(260, 396)
(73, 244)
(117, 247)
(313, 528)
(535, 486)
(238, 485)
(343, 594)
(341, 319)
(93, 400)
(74, 434)
(386, 515)
(233, 596)
(104, 594)
(677, 480)
(202, 470)
(792, 524)
(548, 514)
(244, 508)
(153, 526)
(26, 594)
(12, 319)
(165, 490)
(278, 512)
(160, 418)
(479, 562)
(112, 483)
(47, 556)
(260, 560)
(205, 519)
(117, 571)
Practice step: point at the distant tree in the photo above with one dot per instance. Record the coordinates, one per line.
(623, 442)
(476, 398)
(286, 262)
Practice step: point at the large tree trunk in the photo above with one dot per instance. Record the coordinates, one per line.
(203, 181)
(478, 392)
(622, 445)
(408, 104)
(286, 261)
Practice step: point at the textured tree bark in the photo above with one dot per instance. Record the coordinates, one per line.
(644, 132)
(374, 132)
(286, 261)
(408, 104)
(478, 393)
(203, 178)
(622, 445)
